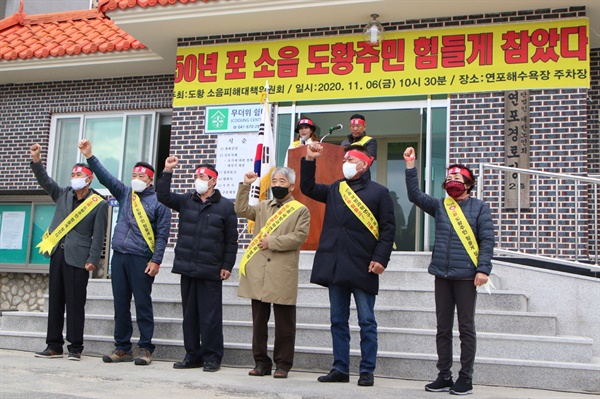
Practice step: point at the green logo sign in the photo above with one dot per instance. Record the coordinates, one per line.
(217, 119)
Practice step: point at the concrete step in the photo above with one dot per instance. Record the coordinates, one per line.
(313, 294)
(506, 346)
(416, 260)
(400, 262)
(387, 316)
(393, 277)
(554, 375)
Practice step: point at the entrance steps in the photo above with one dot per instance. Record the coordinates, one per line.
(516, 346)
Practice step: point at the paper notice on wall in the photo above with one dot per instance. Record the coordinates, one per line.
(11, 230)
(236, 157)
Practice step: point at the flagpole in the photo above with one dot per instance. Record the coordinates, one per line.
(267, 90)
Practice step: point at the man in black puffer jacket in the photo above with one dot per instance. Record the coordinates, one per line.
(204, 257)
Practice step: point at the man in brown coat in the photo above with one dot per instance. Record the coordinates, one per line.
(269, 268)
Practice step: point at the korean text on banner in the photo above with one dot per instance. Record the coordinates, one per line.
(549, 54)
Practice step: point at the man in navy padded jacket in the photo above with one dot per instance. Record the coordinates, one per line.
(138, 244)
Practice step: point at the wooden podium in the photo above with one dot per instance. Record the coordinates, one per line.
(329, 169)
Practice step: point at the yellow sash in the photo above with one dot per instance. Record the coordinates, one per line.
(358, 208)
(296, 144)
(272, 224)
(49, 241)
(462, 228)
(142, 220)
(362, 141)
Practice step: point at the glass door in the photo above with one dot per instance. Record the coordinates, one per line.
(404, 210)
(422, 124)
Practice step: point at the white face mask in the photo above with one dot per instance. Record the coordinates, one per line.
(77, 183)
(138, 185)
(201, 186)
(349, 170)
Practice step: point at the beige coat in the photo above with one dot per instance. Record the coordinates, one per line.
(272, 274)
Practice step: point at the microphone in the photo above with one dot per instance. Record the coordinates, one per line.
(336, 127)
(331, 129)
(302, 140)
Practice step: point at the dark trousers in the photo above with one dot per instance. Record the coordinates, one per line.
(285, 334)
(463, 295)
(67, 289)
(128, 278)
(202, 302)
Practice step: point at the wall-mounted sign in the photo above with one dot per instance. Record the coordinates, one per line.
(235, 156)
(517, 148)
(475, 58)
(233, 118)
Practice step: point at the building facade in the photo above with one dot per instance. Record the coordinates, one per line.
(130, 118)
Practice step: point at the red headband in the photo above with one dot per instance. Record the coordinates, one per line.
(141, 169)
(206, 171)
(357, 121)
(82, 169)
(361, 156)
(457, 170)
(305, 122)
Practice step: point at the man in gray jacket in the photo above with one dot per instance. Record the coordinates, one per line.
(74, 243)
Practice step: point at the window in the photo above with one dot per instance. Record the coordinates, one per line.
(21, 228)
(118, 141)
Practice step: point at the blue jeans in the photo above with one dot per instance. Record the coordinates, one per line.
(339, 299)
(128, 278)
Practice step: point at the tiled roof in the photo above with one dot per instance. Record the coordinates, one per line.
(111, 5)
(61, 34)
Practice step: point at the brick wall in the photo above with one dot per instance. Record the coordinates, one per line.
(558, 144)
(26, 111)
(593, 129)
(594, 114)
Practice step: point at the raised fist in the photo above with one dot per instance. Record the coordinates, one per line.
(250, 177)
(36, 152)
(86, 148)
(170, 163)
(313, 151)
(409, 154)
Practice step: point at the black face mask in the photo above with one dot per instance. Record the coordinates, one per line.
(280, 192)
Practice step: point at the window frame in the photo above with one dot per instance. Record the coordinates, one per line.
(155, 114)
(33, 201)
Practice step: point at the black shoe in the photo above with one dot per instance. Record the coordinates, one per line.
(334, 376)
(366, 379)
(211, 366)
(187, 364)
(462, 386)
(49, 354)
(74, 356)
(440, 385)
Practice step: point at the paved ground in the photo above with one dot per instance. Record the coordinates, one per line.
(22, 376)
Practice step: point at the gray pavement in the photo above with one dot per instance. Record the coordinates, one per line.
(24, 376)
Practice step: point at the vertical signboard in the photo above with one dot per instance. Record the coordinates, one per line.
(516, 147)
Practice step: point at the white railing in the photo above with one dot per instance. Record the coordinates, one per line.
(559, 225)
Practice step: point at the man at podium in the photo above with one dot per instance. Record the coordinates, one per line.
(354, 249)
(358, 135)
